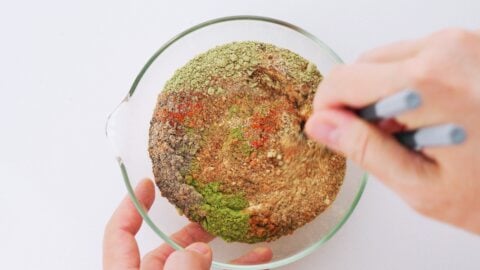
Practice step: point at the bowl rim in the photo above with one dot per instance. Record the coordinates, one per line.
(130, 189)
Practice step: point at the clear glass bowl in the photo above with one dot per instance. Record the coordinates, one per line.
(127, 130)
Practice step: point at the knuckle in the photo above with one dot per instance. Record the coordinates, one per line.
(434, 65)
(422, 71)
(177, 256)
(426, 208)
(455, 38)
(422, 207)
(455, 33)
(428, 203)
(417, 201)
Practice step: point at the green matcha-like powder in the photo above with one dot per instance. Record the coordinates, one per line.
(224, 213)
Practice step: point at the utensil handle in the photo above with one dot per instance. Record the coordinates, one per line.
(391, 106)
(439, 135)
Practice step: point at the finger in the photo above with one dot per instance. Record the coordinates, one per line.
(376, 151)
(256, 256)
(191, 233)
(358, 85)
(197, 256)
(397, 51)
(120, 250)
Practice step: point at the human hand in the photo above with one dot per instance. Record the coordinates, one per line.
(120, 249)
(442, 183)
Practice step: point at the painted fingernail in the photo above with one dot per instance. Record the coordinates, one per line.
(201, 248)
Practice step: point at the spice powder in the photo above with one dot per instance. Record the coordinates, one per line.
(227, 143)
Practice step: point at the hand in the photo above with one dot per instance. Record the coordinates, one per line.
(442, 182)
(120, 249)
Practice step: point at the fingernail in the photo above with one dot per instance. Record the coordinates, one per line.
(260, 250)
(201, 248)
(324, 132)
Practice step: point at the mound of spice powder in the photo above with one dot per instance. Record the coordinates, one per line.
(227, 144)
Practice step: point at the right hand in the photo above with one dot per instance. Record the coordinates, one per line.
(442, 183)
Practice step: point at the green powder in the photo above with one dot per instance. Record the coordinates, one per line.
(237, 143)
(233, 111)
(236, 134)
(236, 60)
(224, 215)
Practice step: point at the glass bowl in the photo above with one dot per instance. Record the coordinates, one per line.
(127, 130)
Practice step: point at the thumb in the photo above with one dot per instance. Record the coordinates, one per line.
(374, 150)
(197, 256)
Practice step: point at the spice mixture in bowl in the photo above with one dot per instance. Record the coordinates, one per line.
(225, 144)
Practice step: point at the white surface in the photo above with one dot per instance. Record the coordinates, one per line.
(65, 65)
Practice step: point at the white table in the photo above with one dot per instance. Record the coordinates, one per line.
(64, 65)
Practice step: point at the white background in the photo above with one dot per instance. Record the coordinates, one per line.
(64, 65)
